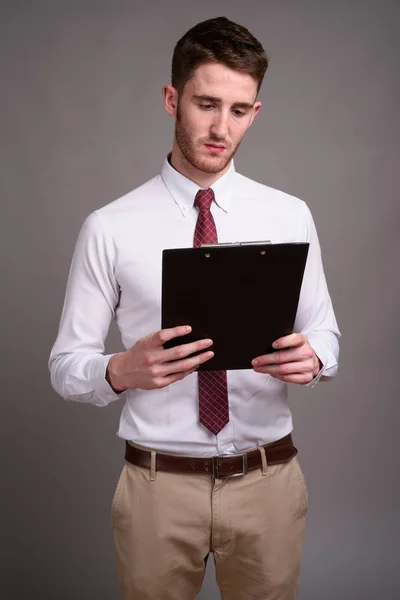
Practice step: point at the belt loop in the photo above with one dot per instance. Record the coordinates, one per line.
(264, 463)
(153, 466)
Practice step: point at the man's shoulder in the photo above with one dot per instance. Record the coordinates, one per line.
(260, 192)
(132, 199)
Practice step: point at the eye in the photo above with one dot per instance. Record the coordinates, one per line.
(238, 113)
(206, 106)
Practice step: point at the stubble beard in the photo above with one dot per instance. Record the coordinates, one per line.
(184, 140)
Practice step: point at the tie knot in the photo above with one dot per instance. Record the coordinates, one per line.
(203, 199)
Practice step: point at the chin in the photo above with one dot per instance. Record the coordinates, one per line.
(211, 167)
(213, 164)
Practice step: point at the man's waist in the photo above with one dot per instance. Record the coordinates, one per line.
(219, 466)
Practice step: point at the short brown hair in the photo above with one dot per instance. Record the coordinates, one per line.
(218, 41)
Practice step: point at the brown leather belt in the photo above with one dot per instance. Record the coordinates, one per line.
(228, 465)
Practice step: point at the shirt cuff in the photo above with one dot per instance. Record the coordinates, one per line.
(316, 379)
(103, 393)
(327, 362)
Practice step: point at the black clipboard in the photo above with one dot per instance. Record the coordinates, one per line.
(243, 296)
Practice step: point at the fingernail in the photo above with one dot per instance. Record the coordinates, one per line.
(274, 345)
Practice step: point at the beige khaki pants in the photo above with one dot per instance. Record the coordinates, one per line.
(165, 528)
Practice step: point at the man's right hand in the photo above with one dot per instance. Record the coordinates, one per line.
(147, 365)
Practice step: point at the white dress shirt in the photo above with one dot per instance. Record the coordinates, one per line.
(116, 273)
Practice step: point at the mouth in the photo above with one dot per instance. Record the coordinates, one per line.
(215, 148)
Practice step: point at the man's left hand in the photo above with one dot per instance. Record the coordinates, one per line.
(293, 362)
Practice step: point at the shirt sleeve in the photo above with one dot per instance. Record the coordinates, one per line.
(315, 317)
(77, 362)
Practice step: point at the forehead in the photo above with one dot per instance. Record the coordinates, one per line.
(214, 79)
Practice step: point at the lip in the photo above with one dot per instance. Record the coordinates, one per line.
(215, 148)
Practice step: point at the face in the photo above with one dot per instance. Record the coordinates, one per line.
(213, 113)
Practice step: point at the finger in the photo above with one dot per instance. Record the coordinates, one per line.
(292, 340)
(301, 378)
(184, 350)
(286, 368)
(284, 356)
(175, 377)
(186, 364)
(157, 339)
(159, 357)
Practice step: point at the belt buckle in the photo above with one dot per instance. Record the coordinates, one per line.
(215, 465)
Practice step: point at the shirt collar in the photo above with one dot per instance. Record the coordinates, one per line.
(184, 190)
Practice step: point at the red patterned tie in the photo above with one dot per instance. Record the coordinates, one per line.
(213, 389)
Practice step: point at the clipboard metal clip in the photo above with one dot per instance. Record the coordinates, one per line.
(229, 244)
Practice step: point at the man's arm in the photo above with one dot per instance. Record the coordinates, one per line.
(315, 316)
(77, 363)
(79, 369)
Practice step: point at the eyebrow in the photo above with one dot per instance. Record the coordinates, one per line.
(217, 100)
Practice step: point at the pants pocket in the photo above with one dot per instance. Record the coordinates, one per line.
(118, 493)
(302, 482)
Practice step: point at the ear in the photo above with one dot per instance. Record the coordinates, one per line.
(170, 98)
(256, 109)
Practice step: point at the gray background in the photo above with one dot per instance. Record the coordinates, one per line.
(81, 124)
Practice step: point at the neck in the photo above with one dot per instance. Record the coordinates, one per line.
(202, 178)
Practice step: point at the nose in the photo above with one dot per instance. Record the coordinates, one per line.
(219, 126)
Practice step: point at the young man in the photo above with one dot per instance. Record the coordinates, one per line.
(176, 499)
